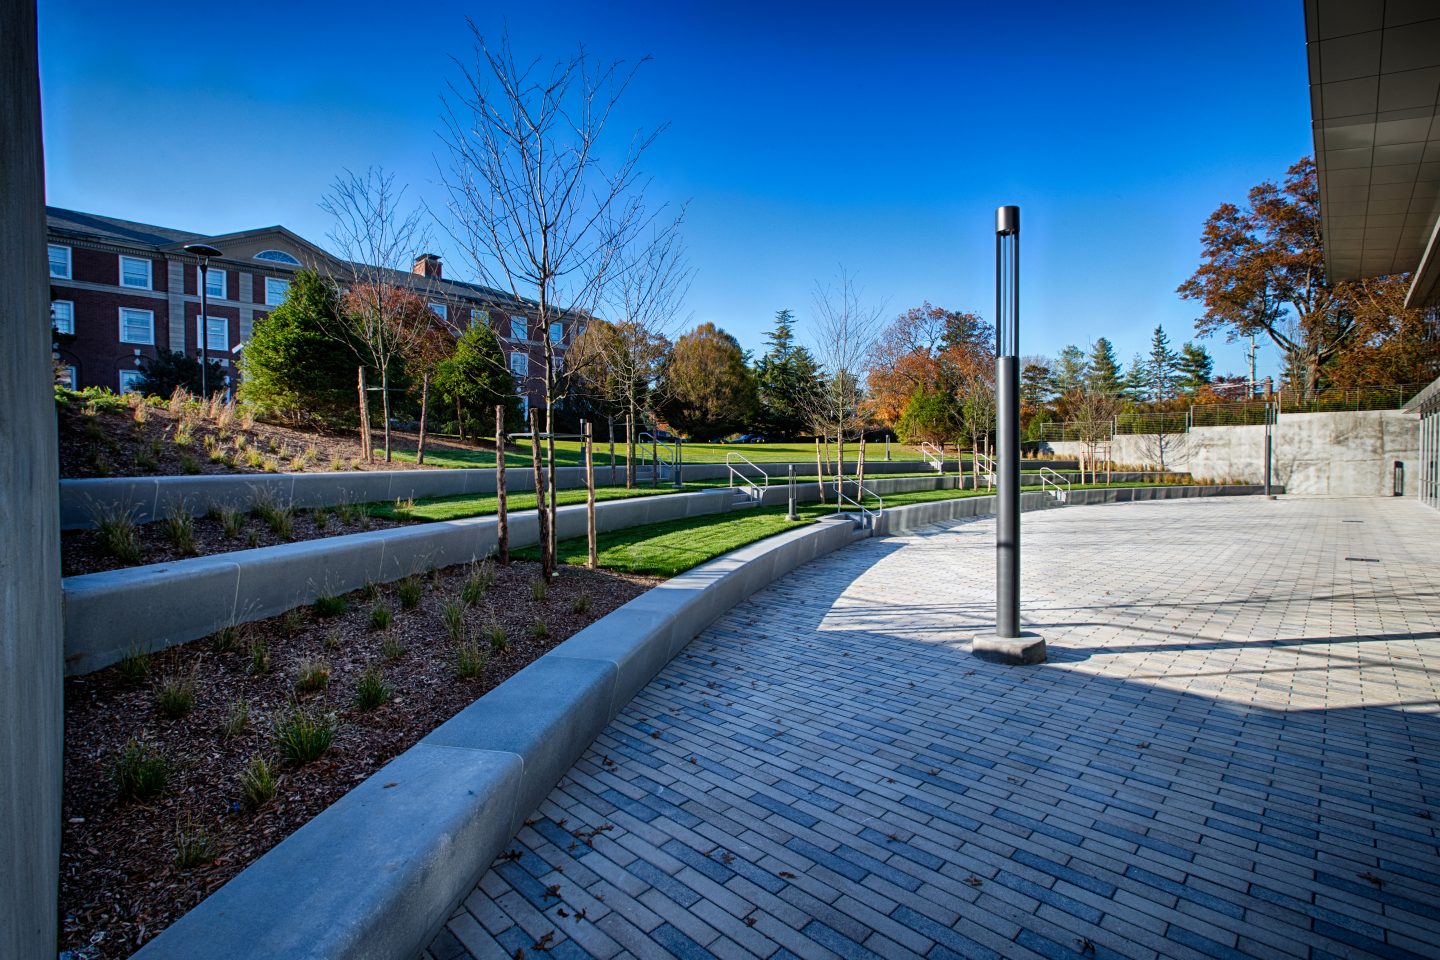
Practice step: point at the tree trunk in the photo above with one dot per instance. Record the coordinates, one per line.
(610, 421)
(424, 408)
(543, 531)
(364, 418)
(630, 450)
(385, 407)
(860, 473)
(553, 496)
(819, 470)
(592, 561)
(502, 523)
(460, 419)
(839, 467)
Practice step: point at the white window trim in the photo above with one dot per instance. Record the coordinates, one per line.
(268, 281)
(74, 376)
(212, 346)
(131, 375)
(71, 305)
(440, 309)
(523, 320)
(121, 317)
(149, 273)
(524, 359)
(224, 282)
(69, 262)
(561, 325)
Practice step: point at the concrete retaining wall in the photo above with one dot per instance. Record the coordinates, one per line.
(150, 498)
(107, 615)
(1338, 454)
(378, 873)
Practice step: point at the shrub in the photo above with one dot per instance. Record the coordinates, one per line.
(179, 528)
(140, 771)
(409, 591)
(370, 690)
(135, 665)
(303, 735)
(115, 529)
(469, 661)
(312, 675)
(257, 783)
(380, 617)
(329, 606)
(176, 695)
(452, 614)
(192, 845)
(237, 718)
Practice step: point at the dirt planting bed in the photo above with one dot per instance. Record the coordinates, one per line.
(131, 865)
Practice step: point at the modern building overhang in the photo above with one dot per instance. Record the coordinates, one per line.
(1375, 108)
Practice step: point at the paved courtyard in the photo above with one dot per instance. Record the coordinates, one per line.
(1233, 751)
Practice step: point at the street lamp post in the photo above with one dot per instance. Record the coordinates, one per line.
(204, 252)
(1008, 644)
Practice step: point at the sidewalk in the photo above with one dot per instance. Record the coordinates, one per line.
(1232, 752)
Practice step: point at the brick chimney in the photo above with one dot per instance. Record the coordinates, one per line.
(427, 265)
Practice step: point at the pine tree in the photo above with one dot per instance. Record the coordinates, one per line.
(1194, 366)
(474, 379)
(1071, 371)
(291, 368)
(1136, 385)
(1104, 369)
(786, 377)
(1161, 367)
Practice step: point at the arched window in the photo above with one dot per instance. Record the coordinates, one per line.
(277, 256)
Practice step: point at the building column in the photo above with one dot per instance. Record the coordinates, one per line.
(31, 642)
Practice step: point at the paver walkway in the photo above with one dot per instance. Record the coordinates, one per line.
(1233, 751)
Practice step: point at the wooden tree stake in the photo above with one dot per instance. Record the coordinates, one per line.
(541, 514)
(590, 494)
(502, 528)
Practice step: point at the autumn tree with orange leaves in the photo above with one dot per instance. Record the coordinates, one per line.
(926, 352)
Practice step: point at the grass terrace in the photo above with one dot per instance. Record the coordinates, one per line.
(567, 454)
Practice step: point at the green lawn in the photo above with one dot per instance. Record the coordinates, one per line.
(671, 547)
(478, 505)
(567, 453)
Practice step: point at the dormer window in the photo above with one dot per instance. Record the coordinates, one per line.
(277, 256)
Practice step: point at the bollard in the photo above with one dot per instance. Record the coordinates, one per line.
(887, 449)
(792, 515)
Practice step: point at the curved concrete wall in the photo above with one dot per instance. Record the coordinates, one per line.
(377, 873)
(107, 615)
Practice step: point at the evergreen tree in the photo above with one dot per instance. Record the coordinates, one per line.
(1135, 385)
(1103, 375)
(162, 374)
(708, 391)
(1037, 385)
(291, 368)
(1072, 371)
(1194, 366)
(474, 379)
(1161, 367)
(786, 377)
(929, 417)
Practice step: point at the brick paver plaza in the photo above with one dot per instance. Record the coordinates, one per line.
(1233, 751)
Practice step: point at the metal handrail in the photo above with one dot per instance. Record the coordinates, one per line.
(756, 490)
(1046, 481)
(867, 516)
(936, 459)
(988, 465)
(656, 460)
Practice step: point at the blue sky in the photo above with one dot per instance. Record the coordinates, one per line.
(804, 135)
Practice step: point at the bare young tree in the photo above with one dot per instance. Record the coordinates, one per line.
(376, 240)
(536, 204)
(1093, 411)
(621, 360)
(845, 331)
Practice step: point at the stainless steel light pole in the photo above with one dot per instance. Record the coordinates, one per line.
(204, 251)
(1008, 644)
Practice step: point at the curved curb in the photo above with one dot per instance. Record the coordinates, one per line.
(376, 874)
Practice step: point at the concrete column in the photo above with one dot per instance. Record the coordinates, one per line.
(175, 300)
(31, 650)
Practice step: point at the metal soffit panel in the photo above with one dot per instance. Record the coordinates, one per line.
(1374, 90)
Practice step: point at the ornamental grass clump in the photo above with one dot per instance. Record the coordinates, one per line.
(331, 606)
(371, 691)
(139, 771)
(179, 529)
(409, 591)
(380, 617)
(176, 695)
(115, 529)
(497, 636)
(312, 675)
(469, 661)
(302, 735)
(237, 718)
(257, 783)
(452, 614)
(135, 665)
(193, 847)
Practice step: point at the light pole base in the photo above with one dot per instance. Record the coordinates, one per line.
(1024, 650)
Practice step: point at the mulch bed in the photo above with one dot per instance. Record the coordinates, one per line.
(83, 551)
(120, 882)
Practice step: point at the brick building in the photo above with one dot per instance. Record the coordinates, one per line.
(123, 291)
